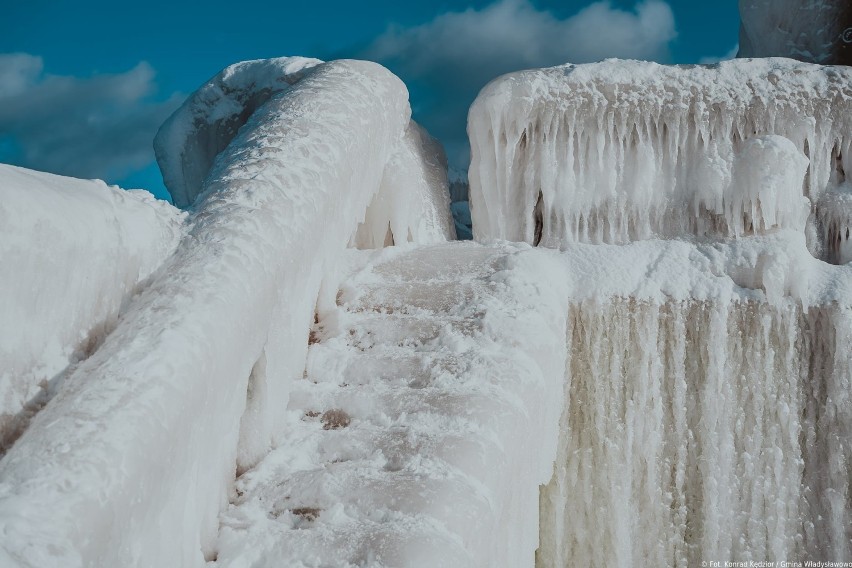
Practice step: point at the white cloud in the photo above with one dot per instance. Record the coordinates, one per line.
(450, 58)
(100, 126)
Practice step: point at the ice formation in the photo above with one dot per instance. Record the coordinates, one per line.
(189, 141)
(73, 254)
(708, 410)
(618, 151)
(402, 406)
(817, 31)
(413, 203)
(132, 461)
(446, 361)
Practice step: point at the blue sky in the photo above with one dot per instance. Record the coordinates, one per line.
(84, 85)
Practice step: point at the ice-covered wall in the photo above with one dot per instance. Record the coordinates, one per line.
(708, 411)
(189, 141)
(618, 151)
(132, 461)
(816, 31)
(413, 203)
(72, 254)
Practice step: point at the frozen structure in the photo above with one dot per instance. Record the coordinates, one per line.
(189, 141)
(815, 31)
(413, 203)
(205, 355)
(408, 442)
(667, 382)
(708, 406)
(59, 238)
(614, 152)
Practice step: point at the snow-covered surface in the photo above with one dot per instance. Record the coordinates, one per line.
(694, 426)
(132, 461)
(425, 423)
(189, 141)
(624, 150)
(73, 253)
(413, 203)
(817, 31)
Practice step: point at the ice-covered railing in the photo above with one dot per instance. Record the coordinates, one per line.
(72, 254)
(132, 461)
(619, 151)
(189, 141)
(413, 202)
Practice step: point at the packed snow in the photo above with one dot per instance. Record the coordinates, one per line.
(426, 421)
(134, 458)
(74, 253)
(624, 150)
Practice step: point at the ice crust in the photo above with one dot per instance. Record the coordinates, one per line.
(449, 361)
(619, 150)
(132, 461)
(74, 252)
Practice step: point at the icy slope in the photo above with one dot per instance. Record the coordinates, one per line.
(189, 141)
(73, 252)
(132, 461)
(818, 31)
(426, 421)
(618, 151)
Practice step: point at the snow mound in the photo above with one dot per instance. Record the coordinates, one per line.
(409, 442)
(189, 141)
(132, 462)
(73, 252)
(623, 150)
(817, 32)
(413, 203)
